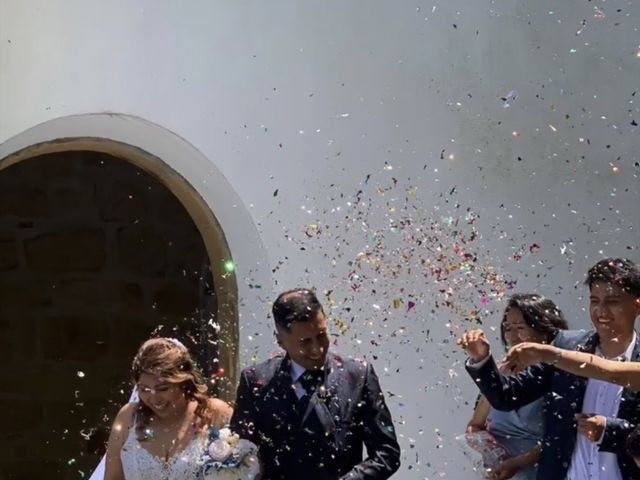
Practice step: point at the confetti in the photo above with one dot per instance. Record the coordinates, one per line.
(508, 99)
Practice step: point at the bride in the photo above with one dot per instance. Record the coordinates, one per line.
(173, 431)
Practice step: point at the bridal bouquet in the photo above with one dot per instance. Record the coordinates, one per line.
(228, 457)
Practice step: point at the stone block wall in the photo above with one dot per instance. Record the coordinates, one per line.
(95, 255)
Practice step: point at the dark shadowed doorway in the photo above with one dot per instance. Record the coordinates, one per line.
(96, 255)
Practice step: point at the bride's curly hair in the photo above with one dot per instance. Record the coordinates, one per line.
(168, 359)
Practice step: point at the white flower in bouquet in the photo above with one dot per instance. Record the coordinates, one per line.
(220, 451)
(229, 437)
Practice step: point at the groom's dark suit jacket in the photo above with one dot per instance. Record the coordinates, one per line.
(328, 443)
(563, 397)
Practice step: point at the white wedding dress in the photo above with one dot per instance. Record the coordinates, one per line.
(139, 464)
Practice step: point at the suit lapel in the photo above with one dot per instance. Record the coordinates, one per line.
(339, 390)
(590, 344)
(580, 383)
(281, 398)
(321, 403)
(635, 355)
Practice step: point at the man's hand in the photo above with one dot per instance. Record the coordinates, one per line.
(592, 426)
(505, 470)
(476, 345)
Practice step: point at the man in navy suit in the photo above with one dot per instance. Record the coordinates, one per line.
(587, 421)
(311, 411)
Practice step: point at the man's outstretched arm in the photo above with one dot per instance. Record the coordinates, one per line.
(503, 393)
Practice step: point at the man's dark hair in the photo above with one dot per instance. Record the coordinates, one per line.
(297, 305)
(618, 271)
(633, 443)
(538, 312)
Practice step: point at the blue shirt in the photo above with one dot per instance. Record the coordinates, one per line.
(518, 431)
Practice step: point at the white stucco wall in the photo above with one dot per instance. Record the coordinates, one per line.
(312, 98)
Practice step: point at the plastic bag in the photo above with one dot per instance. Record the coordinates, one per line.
(483, 451)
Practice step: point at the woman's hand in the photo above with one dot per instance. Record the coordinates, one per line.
(526, 354)
(505, 470)
(476, 345)
(474, 427)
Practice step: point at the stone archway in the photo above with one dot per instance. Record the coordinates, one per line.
(24, 253)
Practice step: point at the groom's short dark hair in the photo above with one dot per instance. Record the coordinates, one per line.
(617, 271)
(297, 305)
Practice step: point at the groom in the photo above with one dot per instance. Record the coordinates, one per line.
(311, 411)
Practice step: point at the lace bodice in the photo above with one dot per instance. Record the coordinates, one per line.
(139, 464)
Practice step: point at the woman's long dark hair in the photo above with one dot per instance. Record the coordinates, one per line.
(539, 313)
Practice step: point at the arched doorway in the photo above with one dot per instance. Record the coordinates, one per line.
(227, 231)
(97, 255)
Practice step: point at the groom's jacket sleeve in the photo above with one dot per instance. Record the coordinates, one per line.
(383, 451)
(242, 421)
(615, 435)
(510, 393)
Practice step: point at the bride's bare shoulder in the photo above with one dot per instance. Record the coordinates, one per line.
(124, 418)
(221, 410)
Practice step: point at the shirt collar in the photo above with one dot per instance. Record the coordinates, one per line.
(628, 353)
(296, 371)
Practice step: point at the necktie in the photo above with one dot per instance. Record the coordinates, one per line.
(311, 380)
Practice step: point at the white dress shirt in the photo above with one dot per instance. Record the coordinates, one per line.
(600, 398)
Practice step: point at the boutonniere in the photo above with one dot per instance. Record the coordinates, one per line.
(324, 393)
